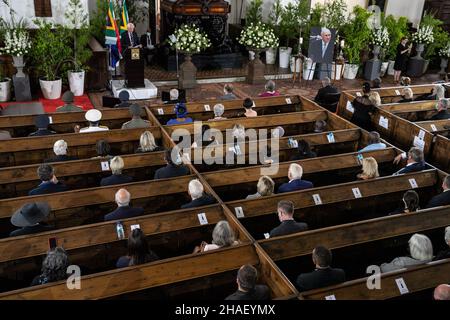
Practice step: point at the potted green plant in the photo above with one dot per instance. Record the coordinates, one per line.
(440, 38)
(444, 53)
(397, 29)
(253, 16)
(49, 51)
(357, 35)
(5, 85)
(78, 32)
(274, 22)
(288, 28)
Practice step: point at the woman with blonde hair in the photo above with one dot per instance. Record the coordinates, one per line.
(265, 187)
(375, 98)
(369, 169)
(116, 164)
(147, 143)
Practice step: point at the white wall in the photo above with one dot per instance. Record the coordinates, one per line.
(412, 9)
(25, 9)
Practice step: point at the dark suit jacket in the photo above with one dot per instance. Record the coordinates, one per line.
(31, 230)
(320, 278)
(171, 171)
(47, 188)
(315, 52)
(295, 185)
(260, 292)
(321, 94)
(442, 199)
(42, 132)
(125, 40)
(115, 179)
(441, 115)
(60, 158)
(124, 213)
(202, 201)
(288, 227)
(417, 166)
(444, 254)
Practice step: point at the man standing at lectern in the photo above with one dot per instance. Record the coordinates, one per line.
(130, 38)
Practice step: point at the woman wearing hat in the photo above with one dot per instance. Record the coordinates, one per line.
(93, 116)
(29, 218)
(181, 112)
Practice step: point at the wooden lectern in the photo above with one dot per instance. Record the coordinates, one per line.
(134, 68)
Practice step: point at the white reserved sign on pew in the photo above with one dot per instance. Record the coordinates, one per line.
(401, 286)
(202, 218)
(239, 212)
(384, 122)
(349, 107)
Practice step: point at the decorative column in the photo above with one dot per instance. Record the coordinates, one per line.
(417, 64)
(188, 74)
(256, 69)
(373, 66)
(21, 81)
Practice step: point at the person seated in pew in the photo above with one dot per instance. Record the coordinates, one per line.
(327, 88)
(136, 120)
(174, 94)
(198, 196)
(375, 98)
(369, 169)
(288, 225)
(60, 150)
(420, 249)
(5, 135)
(295, 180)
(247, 287)
(147, 143)
(437, 93)
(103, 150)
(54, 267)
(68, 99)
(218, 109)
(124, 98)
(444, 254)
(49, 182)
(228, 92)
(174, 167)
(222, 236)
(238, 132)
(415, 161)
(248, 106)
(124, 210)
(138, 251)
(265, 187)
(181, 112)
(205, 139)
(442, 292)
(93, 116)
(278, 132)
(29, 218)
(442, 199)
(405, 81)
(270, 90)
(364, 108)
(116, 164)
(324, 275)
(303, 151)
(407, 94)
(374, 143)
(42, 122)
(442, 110)
(410, 203)
(376, 83)
(320, 126)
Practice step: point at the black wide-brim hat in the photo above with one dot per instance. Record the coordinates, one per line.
(30, 214)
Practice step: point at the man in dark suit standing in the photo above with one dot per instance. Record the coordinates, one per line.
(414, 163)
(130, 38)
(247, 287)
(123, 210)
(321, 47)
(149, 48)
(288, 224)
(324, 275)
(49, 184)
(442, 199)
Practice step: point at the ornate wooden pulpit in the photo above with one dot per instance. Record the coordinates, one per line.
(134, 68)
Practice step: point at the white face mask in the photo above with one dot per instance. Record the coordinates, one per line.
(148, 33)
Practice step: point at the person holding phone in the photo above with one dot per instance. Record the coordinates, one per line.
(403, 50)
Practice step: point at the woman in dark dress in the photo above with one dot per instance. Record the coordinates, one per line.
(363, 109)
(401, 58)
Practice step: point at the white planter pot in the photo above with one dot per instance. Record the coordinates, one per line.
(285, 53)
(295, 65)
(336, 74)
(51, 89)
(308, 69)
(384, 67)
(76, 82)
(390, 70)
(271, 55)
(251, 55)
(350, 71)
(5, 90)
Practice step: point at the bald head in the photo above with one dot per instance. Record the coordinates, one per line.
(123, 198)
(442, 292)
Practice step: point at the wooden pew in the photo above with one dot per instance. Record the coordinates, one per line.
(416, 278)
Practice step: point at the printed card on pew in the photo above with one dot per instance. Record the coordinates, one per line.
(384, 122)
(413, 183)
(207, 107)
(358, 94)
(357, 193)
(401, 286)
(135, 226)
(267, 235)
(317, 199)
(202, 218)
(239, 212)
(105, 166)
(160, 111)
(397, 92)
(349, 107)
(433, 127)
(330, 297)
(330, 137)
(360, 158)
(288, 101)
(419, 143)
(292, 143)
(421, 134)
(50, 119)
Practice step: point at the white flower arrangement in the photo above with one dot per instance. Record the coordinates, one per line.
(424, 35)
(380, 37)
(445, 51)
(259, 36)
(17, 43)
(189, 39)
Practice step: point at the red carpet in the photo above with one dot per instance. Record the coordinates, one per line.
(51, 105)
